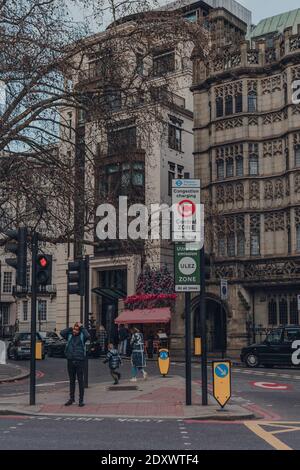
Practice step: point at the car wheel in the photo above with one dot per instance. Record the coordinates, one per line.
(252, 360)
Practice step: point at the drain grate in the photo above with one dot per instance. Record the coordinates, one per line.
(123, 388)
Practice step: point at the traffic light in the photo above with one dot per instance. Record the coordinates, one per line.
(76, 277)
(44, 270)
(18, 246)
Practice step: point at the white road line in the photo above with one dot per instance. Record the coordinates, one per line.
(52, 383)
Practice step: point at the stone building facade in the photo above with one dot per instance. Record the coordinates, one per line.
(247, 155)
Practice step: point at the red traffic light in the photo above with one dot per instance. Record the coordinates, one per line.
(42, 261)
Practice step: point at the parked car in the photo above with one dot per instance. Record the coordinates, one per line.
(276, 349)
(49, 337)
(20, 346)
(57, 347)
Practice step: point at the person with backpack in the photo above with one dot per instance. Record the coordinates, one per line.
(75, 353)
(114, 361)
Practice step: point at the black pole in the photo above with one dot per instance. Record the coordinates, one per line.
(188, 352)
(86, 315)
(222, 330)
(34, 249)
(203, 328)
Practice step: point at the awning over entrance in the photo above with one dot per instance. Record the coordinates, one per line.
(109, 293)
(146, 315)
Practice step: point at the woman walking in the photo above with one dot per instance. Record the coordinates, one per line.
(138, 359)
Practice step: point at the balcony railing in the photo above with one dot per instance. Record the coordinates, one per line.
(41, 290)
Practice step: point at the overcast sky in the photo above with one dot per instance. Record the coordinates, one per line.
(264, 8)
(260, 9)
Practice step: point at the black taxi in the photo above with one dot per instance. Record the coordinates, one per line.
(276, 349)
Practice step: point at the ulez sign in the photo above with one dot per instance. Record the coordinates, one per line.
(187, 269)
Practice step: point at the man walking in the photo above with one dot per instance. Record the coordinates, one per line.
(75, 353)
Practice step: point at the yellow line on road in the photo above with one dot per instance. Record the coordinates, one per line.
(266, 436)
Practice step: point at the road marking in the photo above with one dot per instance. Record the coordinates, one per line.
(52, 383)
(270, 385)
(267, 436)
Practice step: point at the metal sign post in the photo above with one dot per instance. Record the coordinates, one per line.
(188, 237)
(34, 245)
(203, 330)
(86, 315)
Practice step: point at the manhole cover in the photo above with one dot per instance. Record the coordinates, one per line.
(123, 388)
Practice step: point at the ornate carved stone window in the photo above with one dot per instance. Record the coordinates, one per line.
(240, 244)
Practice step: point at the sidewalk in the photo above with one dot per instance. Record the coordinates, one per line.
(157, 397)
(10, 373)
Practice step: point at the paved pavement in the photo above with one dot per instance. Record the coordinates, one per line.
(11, 372)
(273, 395)
(157, 397)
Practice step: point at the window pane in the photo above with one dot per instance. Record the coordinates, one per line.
(239, 166)
(272, 313)
(231, 246)
(221, 246)
(220, 169)
(294, 315)
(241, 245)
(283, 312)
(25, 311)
(252, 103)
(253, 165)
(163, 63)
(255, 248)
(229, 167)
(219, 107)
(137, 178)
(297, 155)
(228, 105)
(298, 237)
(239, 103)
(174, 137)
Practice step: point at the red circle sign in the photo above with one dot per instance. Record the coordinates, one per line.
(271, 385)
(186, 208)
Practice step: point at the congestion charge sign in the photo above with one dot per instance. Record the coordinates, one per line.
(222, 382)
(188, 213)
(187, 269)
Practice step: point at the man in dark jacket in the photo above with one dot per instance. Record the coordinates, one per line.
(75, 352)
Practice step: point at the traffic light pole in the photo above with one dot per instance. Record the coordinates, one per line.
(203, 328)
(86, 314)
(188, 352)
(34, 248)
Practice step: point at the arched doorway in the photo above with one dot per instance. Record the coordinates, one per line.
(216, 323)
